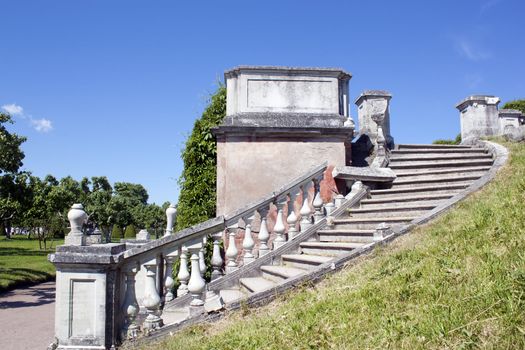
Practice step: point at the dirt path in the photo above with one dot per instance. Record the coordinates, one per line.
(28, 317)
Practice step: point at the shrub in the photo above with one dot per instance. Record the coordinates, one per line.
(197, 199)
(116, 233)
(130, 232)
(456, 141)
(516, 104)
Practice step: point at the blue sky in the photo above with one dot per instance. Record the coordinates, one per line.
(113, 87)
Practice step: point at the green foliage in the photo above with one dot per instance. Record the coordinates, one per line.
(517, 104)
(457, 283)
(130, 232)
(197, 199)
(116, 233)
(10, 153)
(456, 141)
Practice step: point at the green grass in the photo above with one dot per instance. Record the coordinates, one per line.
(457, 283)
(23, 263)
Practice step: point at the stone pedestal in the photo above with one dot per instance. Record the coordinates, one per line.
(479, 117)
(370, 103)
(280, 122)
(87, 308)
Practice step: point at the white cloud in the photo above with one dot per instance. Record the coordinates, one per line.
(468, 50)
(488, 5)
(13, 109)
(42, 125)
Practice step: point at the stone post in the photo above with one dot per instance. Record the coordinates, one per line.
(372, 102)
(152, 299)
(232, 250)
(279, 227)
(216, 258)
(168, 276)
(292, 218)
(88, 309)
(202, 260)
(77, 217)
(318, 201)
(184, 274)
(130, 306)
(479, 117)
(264, 235)
(306, 212)
(248, 242)
(196, 286)
(382, 231)
(171, 215)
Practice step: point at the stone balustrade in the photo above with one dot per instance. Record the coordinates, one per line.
(134, 280)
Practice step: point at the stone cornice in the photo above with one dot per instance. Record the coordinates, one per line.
(338, 72)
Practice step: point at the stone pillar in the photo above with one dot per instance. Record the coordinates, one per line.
(88, 309)
(479, 117)
(77, 217)
(373, 102)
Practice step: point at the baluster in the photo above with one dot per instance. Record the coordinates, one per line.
(168, 279)
(292, 218)
(279, 227)
(197, 284)
(306, 212)
(151, 299)
(232, 251)
(130, 305)
(264, 235)
(318, 201)
(171, 215)
(184, 274)
(216, 258)
(248, 243)
(202, 261)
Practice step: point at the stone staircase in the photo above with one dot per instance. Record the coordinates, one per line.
(427, 177)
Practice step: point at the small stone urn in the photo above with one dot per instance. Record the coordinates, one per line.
(77, 217)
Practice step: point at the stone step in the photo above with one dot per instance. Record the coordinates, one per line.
(389, 213)
(439, 150)
(256, 284)
(407, 198)
(463, 170)
(280, 273)
(340, 235)
(435, 177)
(401, 192)
(429, 157)
(439, 164)
(175, 315)
(304, 261)
(229, 295)
(328, 248)
(420, 190)
(370, 223)
(427, 181)
(392, 208)
(430, 146)
(388, 204)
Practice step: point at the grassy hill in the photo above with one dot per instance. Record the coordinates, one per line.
(458, 283)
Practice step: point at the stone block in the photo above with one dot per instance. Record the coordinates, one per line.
(479, 117)
(369, 103)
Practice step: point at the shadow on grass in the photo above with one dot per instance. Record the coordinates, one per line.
(14, 277)
(5, 251)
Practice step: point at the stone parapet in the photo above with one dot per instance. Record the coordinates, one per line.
(371, 103)
(479, 117)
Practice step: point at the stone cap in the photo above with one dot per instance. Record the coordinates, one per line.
(483, 99)
(285, 120)
(372, 93)
(340, 73)
(510, 113)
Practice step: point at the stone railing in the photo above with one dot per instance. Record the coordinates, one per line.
(107, 293)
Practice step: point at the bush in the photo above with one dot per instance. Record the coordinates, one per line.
(130, 232)
(197, 199)
(516, 104)
(116, 233)
(456, 141)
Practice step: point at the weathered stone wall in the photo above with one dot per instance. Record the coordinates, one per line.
(248, 169)
(479, 117)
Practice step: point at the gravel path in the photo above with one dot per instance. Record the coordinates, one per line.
(28, 316)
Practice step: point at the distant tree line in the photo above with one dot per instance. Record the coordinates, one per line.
(38, 207)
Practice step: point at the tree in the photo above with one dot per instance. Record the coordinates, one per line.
(197, 199)
(516, 104)
(11, 157)
(116, 233)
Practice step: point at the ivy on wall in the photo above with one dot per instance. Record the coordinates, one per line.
(197, 198)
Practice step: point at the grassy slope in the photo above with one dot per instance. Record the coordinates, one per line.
(456, 283)
(21, 262)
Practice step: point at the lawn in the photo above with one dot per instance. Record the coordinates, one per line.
(456, 283)
(22, 262)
